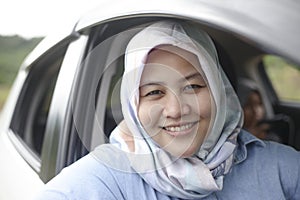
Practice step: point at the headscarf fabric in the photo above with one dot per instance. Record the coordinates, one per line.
(201, 174)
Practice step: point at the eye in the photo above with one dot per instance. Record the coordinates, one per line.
(154, 92)
(193, 87)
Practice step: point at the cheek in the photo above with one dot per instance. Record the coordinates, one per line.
(202, 105)
(149, 113)
(248, 113)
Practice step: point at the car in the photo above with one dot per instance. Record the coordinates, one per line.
(65, 100)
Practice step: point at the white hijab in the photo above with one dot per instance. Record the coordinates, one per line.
(185, 178)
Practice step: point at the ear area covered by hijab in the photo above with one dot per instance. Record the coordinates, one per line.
(185, 178)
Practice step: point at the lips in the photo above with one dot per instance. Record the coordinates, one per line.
(176, 130)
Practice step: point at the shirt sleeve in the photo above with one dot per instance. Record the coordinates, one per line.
(86, 179)
(289, 170)
(297, 183)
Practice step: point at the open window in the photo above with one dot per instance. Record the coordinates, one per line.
(31, 113)
(284, 77)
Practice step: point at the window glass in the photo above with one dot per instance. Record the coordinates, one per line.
(284, 76)
(31, 112)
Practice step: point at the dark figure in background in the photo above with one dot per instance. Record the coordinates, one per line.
(255, 119)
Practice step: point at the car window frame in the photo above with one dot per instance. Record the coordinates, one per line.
(80, 111)
(57, 135)
(30, 157)
(22, 147)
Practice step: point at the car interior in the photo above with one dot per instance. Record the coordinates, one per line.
(238, 56)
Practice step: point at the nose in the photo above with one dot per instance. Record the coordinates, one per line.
(175, 106)
(259, 111)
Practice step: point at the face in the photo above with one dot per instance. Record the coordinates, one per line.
(254, 109)
(253, 114)
(175, 105)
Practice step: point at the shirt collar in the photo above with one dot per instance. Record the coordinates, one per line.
(244, 139)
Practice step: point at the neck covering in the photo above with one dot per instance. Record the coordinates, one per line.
(186, 178)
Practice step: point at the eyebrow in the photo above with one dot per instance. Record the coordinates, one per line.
(151, 84)
(188, 77)
(192, 76)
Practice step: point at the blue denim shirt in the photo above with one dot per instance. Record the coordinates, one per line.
(262, 170)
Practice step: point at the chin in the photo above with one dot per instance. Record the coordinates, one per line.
(183, 153)
(188, 154)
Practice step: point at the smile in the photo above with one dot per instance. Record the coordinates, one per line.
(179, 130)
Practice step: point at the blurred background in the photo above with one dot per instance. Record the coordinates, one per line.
(23, 24)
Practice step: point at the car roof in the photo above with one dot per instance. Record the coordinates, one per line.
(269, 24)
(272, 24)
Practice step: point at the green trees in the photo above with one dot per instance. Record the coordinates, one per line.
(13, 50)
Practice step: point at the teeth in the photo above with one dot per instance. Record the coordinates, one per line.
(179, 128)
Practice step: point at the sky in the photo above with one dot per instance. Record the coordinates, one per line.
(37, 18)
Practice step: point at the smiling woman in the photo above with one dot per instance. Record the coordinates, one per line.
(181, 136)
(185, 123)
(175, 104)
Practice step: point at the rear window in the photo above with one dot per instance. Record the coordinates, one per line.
(284, 76)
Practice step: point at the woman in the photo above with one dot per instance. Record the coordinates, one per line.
(254, 109)
(181, 137)
(255, 118)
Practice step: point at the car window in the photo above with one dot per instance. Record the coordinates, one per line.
(284, 76)
(107, 96)
(31, 112)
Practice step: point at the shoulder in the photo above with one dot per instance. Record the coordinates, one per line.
(252, 147)
(103, 174)
(254, 150)
(85, 179)
(273, 166)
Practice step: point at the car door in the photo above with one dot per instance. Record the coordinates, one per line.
(31, 119)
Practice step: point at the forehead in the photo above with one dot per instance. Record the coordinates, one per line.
(161, 52)
(169, 62)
